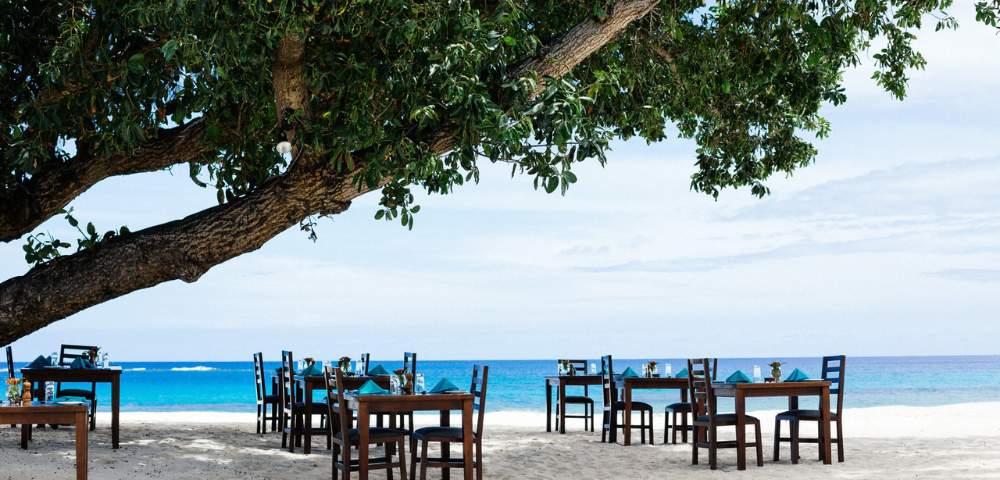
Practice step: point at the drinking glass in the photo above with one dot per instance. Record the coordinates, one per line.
(593, 368)
(104, 360)
(655, 371)
(300, 365)
(668, 370)
(419, 385)
(50, 391)
(757, 378)
(53, 358)
(394, 385)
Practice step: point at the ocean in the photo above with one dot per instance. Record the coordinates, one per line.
(518, 385)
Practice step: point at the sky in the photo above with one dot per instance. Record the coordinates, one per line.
(888, 245)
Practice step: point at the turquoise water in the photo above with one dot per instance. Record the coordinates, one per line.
(519, 385)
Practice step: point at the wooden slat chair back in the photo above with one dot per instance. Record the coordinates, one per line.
(366, 360)
(67, 354)
(264, 399)
(10, 362)
(609, 428)
(700, 388)
(410, 362)
(288, 397)
(833, 371)
(478, 391)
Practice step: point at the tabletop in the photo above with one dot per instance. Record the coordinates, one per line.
(776, 389)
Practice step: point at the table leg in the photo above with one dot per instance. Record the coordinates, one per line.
(115, 408)
(562, 407)
(548, 406)
(741, 431)
(25, 432)
(628, 414)
(824, 424)
(81, 445)
(363, 433)
(307, 424)
(467, 438)
(445, 446)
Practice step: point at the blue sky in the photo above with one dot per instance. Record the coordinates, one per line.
(888, 245)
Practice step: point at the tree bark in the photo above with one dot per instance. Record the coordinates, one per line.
(185, 249)
(53, 187)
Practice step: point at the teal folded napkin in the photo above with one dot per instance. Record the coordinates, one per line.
(738, 377)
(371, 388)
(313, 370)
(69, 400)
(629, 373)
(40, 362)
(378, 370)
(682, 374)
(444, 386)
(81, 363)
(797, 376)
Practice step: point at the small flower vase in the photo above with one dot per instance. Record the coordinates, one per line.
(776, 373)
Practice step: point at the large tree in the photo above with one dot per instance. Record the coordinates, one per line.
(386, 96)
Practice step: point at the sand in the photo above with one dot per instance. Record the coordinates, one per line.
(949, 442)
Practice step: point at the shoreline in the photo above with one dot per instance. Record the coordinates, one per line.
(960, 419)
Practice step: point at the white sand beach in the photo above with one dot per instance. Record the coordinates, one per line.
(947, 442)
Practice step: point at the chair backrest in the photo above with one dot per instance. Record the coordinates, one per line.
(10, 362)
(366, 359)
(410, 362)
(68, 353)
(339, 411)
(833, 370)
(700, 375)
(259, 376)
(287, 382)
(478, 391)
(608, 381)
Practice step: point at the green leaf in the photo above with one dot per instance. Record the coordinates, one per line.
(169, 48)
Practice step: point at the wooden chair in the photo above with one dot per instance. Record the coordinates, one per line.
(612, 407)
(366, 360)
(265, 400)
(833, 370)
(68, 353)
(579, 368)
(683, 409)
(293, 408)
(453, 435)
(345, 437)
(707, 420)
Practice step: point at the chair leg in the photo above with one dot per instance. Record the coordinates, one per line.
(479, 459)
(604, 427)
(777, 439)
(93, 415)
(402, 457)
(760, 445)
(840, 442)
(793, 431)
(284, 430)
(642, 427)
(423, 460)
(666, 425)
(713, 448)
(259, 416)
(684, 425)
(413, 458)
(694, 447)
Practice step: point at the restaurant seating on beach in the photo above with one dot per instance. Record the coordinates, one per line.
(707, 420)
(683, 409)
(294, 408)
(446, 435)
(68, 354)
(577, 367)
(266, 401)
(833, 371)
(614, 407)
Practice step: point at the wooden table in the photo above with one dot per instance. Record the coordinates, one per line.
(366, 405)
(318, 382)
(38, 377)
(561, 382)
(51, 414)
(627, 384)
(742, 391)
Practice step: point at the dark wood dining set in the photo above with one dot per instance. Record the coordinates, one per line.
(697, 413)
(365, 416)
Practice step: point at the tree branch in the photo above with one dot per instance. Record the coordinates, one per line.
(53, 187)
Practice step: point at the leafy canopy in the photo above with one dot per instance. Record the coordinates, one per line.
(745, 79)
